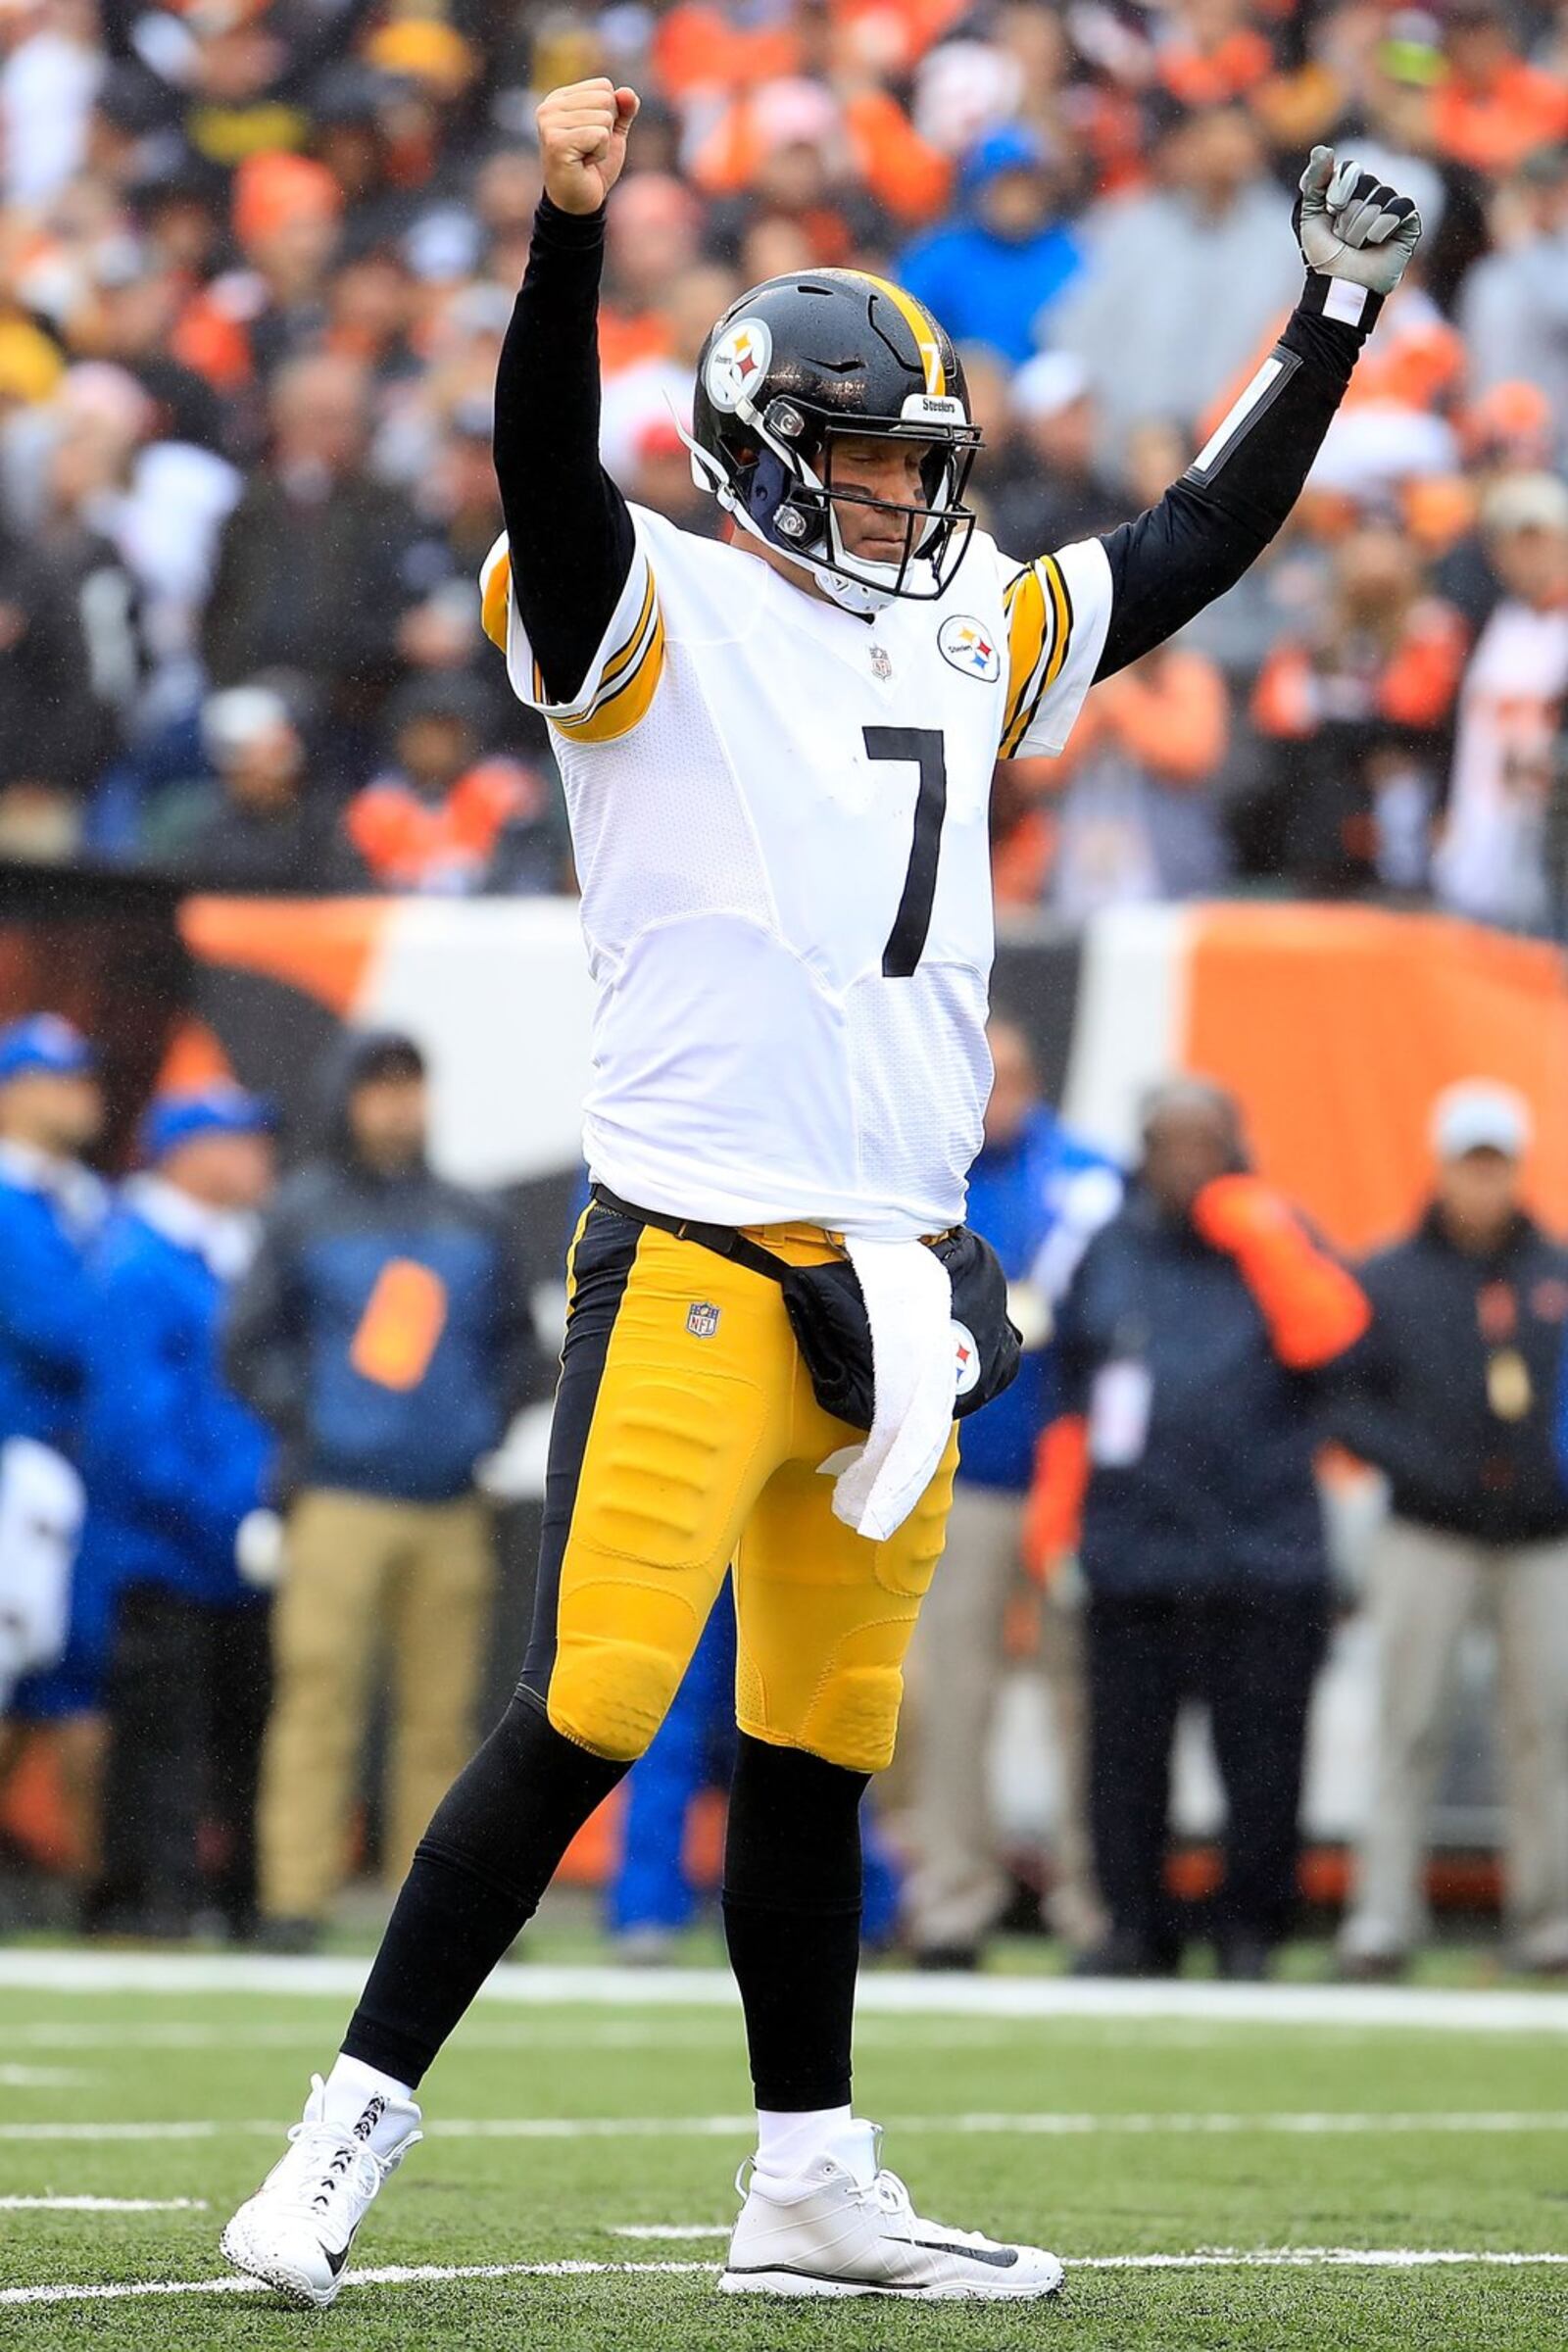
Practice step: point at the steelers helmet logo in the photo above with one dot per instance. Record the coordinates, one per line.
(965, 1359)
(738, 362)
(969, 649)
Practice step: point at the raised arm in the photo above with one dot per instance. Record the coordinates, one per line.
(569, 533)
(1357, 237)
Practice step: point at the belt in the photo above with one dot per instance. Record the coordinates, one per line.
(723, 1240)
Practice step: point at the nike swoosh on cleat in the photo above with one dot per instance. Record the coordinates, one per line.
(998, 2257)
(335, 2262)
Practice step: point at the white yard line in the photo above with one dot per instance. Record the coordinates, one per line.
(103, 2205)
(42, 2078)
(1289, 2258)
(1049, 2125)
(530, 1985)
(670, 2229)
(426, 2273)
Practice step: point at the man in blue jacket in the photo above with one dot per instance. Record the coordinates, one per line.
(178, 1484)
(51, 1210)
(1192, 1344)
(1453, 1396)
(991, 275)
(384, 1333)
(1038, 1194)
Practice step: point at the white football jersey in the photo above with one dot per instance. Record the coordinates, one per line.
(780, 815)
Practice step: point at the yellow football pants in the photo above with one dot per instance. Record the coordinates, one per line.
(686, 1439)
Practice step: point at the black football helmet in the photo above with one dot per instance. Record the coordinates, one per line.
(800, 359)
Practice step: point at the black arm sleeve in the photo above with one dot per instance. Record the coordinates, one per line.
(1169, 563)
(567, 525)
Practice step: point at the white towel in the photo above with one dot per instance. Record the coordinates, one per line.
(42, 1507)
(908, 1301)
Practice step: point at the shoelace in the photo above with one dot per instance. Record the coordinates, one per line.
(328, 2161)
(887, 2192)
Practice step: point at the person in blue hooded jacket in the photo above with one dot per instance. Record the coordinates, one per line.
(179, 1478)
(385, 1333)
(992, 274)
(51, 1210)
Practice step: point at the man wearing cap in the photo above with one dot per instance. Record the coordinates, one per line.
(179, 1529)
(1452, 1395)
(264, 829)
(51, 1210)
(382, 1333)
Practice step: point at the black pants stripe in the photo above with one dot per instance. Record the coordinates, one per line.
(602, 1261)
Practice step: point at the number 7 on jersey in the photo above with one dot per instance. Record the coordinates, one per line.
(923, 746)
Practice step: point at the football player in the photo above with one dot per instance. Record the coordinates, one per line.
(777, 755)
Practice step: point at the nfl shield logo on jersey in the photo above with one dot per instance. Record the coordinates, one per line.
(702, 1319)
(970, 647)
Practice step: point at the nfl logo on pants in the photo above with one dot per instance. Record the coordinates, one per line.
(701, 1320)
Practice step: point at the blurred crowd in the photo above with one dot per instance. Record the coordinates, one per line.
(244, 1427)
(257, 257)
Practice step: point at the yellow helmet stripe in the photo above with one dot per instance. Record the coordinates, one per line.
(922, 325)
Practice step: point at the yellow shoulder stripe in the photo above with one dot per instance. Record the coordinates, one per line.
(1039, 613)
(627, 680)
(495, 590)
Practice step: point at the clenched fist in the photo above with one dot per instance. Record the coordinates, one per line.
(1352, 226)
(583, 130)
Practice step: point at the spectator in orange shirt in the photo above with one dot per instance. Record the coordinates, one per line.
(786, 150)
(859, 126)
(1213, 55)
(287, 218)
(1139, 820)
(1494, 108)
(1358, 713)
(444, 819)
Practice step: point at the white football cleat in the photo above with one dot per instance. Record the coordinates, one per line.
(296, 2231)
(837, 2230)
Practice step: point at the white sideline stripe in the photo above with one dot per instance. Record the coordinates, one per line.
(664, 2033)
(42, 2078)
(530, 1986)
(671, 2230)
(431, 2274)
(1049, 2125)
(103, 2205)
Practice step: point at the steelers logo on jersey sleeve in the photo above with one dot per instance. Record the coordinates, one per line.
(969, 649)
(738, 362)
(965, 1359)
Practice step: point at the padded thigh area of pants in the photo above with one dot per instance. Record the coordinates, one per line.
(678, 1447)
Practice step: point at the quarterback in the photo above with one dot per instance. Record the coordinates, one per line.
(777, 755)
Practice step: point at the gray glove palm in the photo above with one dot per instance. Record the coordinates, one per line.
(1351, 227)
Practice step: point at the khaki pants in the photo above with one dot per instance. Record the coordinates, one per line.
(958, 1886)
(364, 1573)
(1426, 1589)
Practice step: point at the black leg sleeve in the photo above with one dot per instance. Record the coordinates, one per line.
(792, 1919)
(476, 1879)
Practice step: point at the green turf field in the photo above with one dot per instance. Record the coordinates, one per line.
(1107, 2139)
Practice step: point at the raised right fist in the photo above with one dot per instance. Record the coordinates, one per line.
(583, 130)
